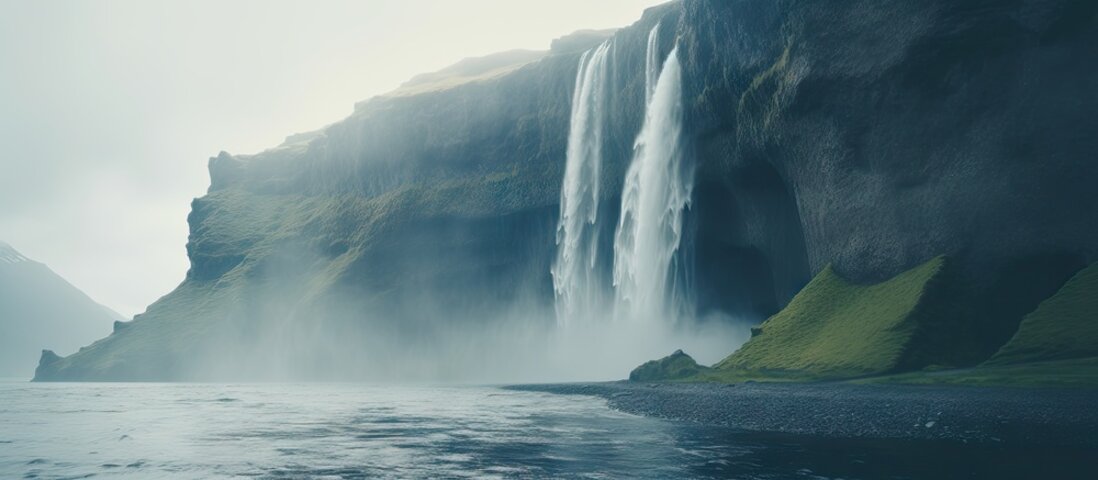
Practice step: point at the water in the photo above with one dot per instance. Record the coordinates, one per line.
(647, 300)
(651, 64)
(80, 430)
(655, 196)
(578, 291)
(336, 430)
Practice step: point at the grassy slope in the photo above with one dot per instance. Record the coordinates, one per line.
(187, 318)
(834, 328)
(1065, 326)
(1056, 345)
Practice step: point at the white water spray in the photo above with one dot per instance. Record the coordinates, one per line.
(576, 285)
(656, 192)
(649, 300)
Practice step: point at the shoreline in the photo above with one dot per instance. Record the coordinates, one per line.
(1015, 416)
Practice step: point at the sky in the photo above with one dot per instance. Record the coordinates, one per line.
(110, 109)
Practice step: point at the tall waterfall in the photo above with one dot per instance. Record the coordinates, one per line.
(576, 285)
(656, 192)
(645, 291)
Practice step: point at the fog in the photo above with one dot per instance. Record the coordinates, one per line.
(478, 310)
(274, 332)
(110, 109)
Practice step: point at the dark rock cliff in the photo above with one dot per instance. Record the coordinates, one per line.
(867, 135)
(899, 132)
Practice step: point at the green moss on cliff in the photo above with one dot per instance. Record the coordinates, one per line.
(770, 92)
(1064, 326)
(143, 349)
(834, 328)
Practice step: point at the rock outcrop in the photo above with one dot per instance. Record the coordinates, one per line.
(677, 366)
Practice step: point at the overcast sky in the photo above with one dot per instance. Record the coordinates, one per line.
(110, 109)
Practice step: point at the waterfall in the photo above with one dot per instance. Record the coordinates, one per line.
(576, 286)
(656, 192)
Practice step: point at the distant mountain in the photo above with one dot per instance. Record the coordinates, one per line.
(40, 310)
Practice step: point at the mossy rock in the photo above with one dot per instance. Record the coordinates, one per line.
(677, 366)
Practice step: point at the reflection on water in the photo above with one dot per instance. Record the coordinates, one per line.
(366, 431)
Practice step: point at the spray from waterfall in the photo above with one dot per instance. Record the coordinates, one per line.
(655, 195)
(576, 286)
(647, 295)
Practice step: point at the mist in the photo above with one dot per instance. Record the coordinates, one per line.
(498, 326)
(643, 239)
(353, 281)
(109, 110)
(283, 326)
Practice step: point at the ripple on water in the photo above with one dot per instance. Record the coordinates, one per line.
(362, 431)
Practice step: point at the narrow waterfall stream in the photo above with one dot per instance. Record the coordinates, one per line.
(576, 287)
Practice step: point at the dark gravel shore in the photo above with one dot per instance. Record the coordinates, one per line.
(1016, 416)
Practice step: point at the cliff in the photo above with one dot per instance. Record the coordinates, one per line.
(867, 136)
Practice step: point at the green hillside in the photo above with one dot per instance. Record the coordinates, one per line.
(1065, 326)
(886, 332)
(834, 328)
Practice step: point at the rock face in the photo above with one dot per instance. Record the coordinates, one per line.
(40, 309)
(865, 135)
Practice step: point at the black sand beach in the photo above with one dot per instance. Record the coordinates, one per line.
(1014, 416)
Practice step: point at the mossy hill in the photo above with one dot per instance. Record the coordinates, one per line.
(1056, 345)
(677, 366)
(1063, 327)
(834, 330)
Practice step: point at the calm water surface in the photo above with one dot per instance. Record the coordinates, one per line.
(81, 430)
